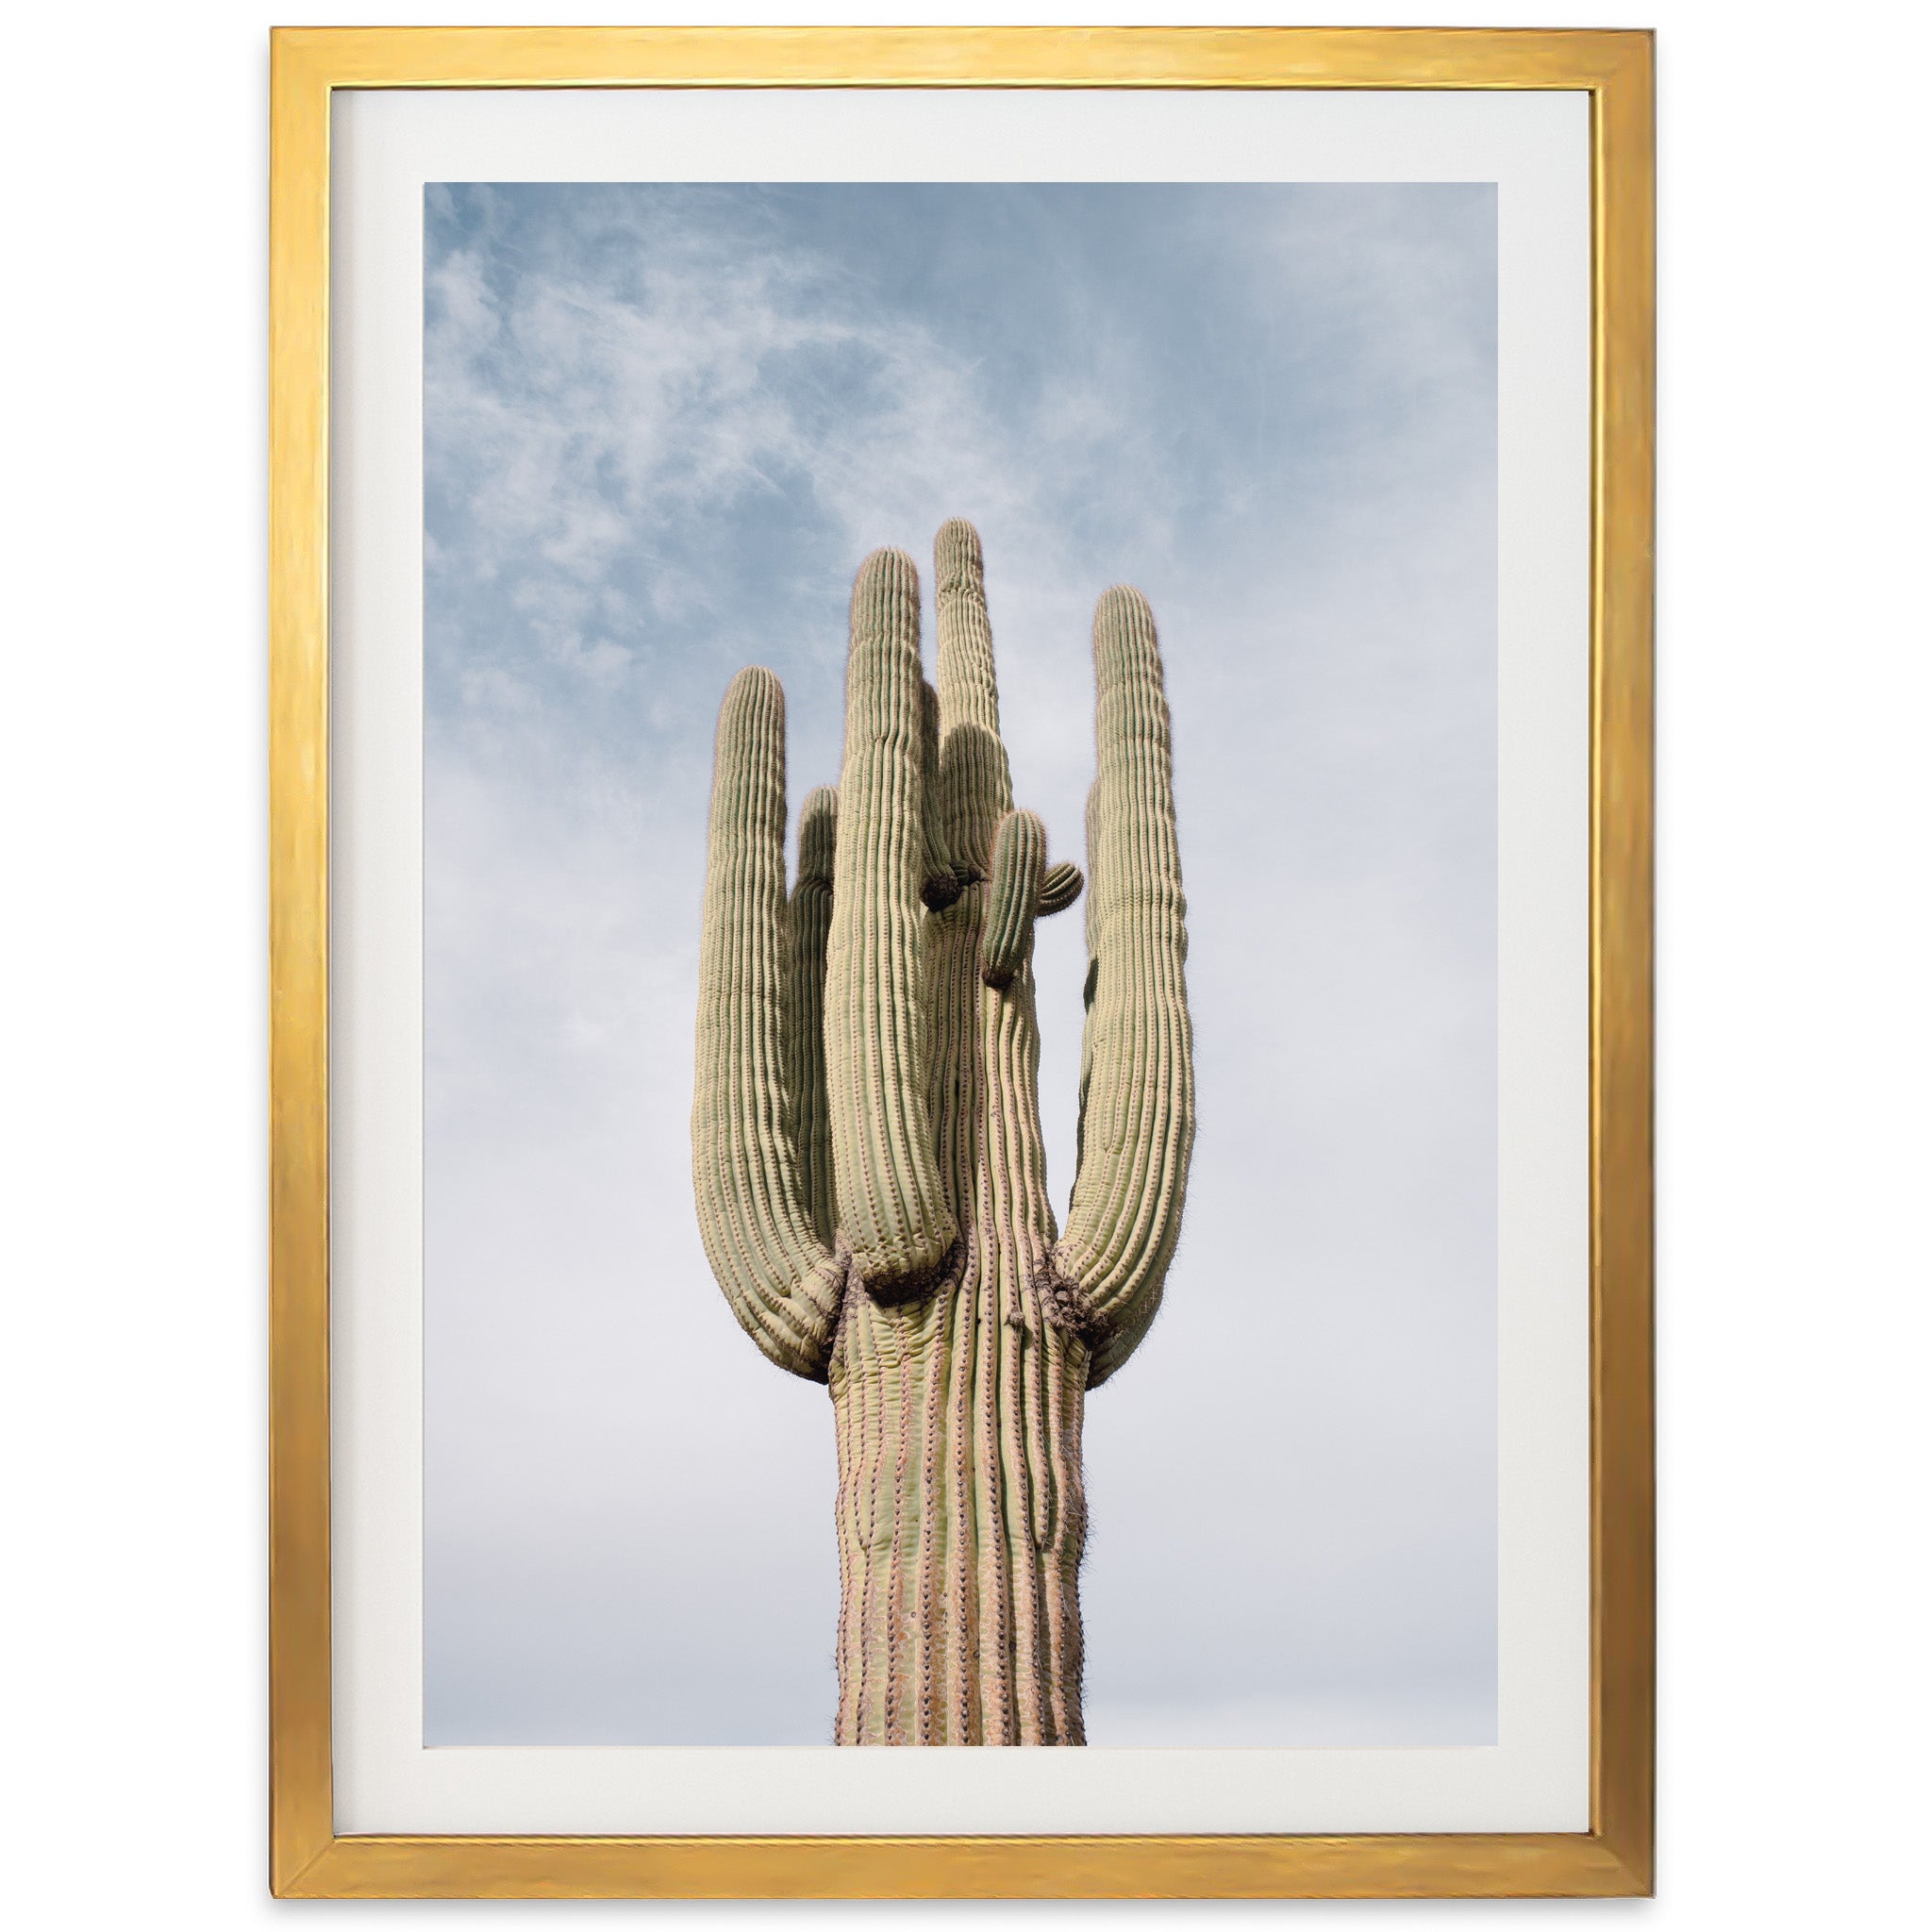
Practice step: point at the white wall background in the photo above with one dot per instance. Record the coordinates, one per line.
(1794, 1151)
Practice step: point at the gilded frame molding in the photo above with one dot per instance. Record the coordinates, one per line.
(1614, 1857)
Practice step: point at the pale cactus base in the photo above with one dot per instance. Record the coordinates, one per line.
(962, 1515)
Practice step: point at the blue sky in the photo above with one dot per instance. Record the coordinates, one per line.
(662, 426)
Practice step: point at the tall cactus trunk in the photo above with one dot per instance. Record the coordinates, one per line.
(962, 1515)
(866, 1145)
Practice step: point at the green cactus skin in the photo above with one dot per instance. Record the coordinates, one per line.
(892, 1212)
(866, 1150)
(805, 1010)
(1137, 1111)
(783, 1286)
(1059, 888)
(1019, 871)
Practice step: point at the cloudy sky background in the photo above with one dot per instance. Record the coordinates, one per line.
(663, 425)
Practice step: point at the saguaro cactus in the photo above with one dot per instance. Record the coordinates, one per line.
(866, 1142)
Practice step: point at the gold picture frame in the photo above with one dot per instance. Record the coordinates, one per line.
(1613, 1857)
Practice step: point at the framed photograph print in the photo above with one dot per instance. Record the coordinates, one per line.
(962, 955)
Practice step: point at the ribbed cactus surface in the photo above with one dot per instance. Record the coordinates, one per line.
(866, 1143)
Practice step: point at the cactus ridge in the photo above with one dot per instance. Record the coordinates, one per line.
(866, 1151)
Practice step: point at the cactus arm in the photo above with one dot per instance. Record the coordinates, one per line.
(1019, 860)
(892, 1206)
(1138, 1120)
(976, 784)
(804, 1008)
(1086, 992)
(1117, 1343)
(943, 882)
(1059, 888)
(778, 1275)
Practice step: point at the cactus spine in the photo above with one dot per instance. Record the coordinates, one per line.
(866, 1150)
